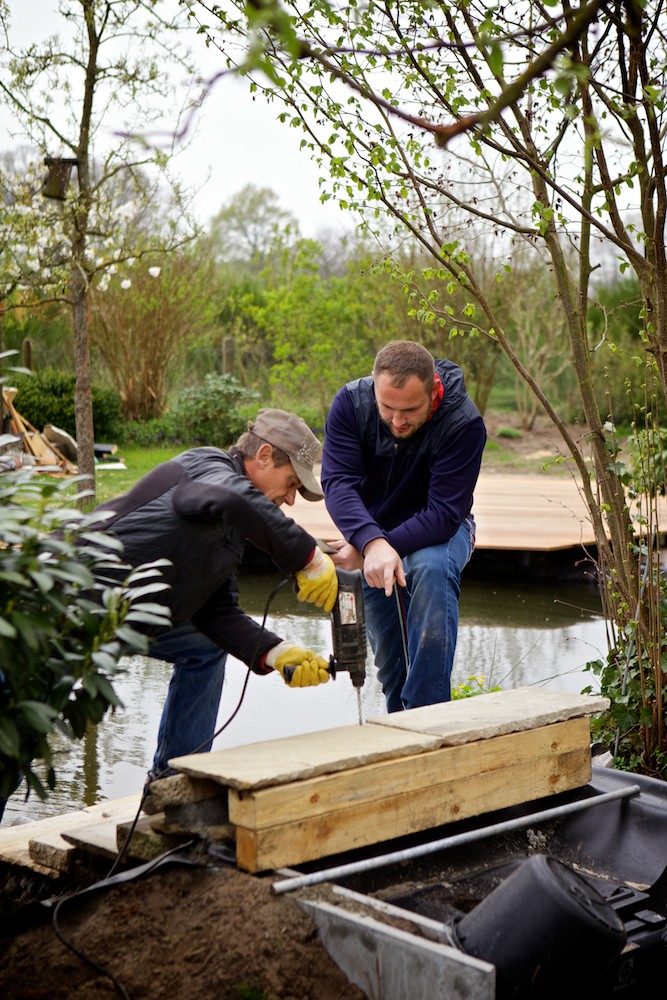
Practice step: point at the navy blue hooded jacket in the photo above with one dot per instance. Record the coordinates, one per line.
(413, 492)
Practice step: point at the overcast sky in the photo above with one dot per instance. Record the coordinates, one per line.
(240, 141)
(237, 140)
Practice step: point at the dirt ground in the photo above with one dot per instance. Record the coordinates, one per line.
(511, 449)
(196, 934)
(179, 933)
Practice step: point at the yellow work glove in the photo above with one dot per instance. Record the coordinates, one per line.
(298, 667)
(317, 582)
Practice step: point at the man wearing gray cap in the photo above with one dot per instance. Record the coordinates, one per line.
(197, 511)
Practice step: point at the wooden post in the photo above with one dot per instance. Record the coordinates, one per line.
(26, 351)
(228, 355)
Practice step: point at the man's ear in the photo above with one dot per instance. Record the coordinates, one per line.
(264, 454)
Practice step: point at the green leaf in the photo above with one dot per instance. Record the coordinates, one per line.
(107, 691)
(10, 743)
(103, 661)
(148, 588)
(89, 682)
(496, 59)
(32, 629)
(7, 630)
(43, 580)
(38, 715)
(135, 640)
(147, 617)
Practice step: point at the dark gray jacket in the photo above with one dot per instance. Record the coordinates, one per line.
(197, 511)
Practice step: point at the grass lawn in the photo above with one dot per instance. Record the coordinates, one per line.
(112, 482)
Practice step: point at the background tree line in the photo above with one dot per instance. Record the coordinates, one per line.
(292, 319)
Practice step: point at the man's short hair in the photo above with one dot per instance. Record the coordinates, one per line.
(249, 444)
(401, 359)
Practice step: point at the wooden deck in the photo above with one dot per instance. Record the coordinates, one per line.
(514, 512)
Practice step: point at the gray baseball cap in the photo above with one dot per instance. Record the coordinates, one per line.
(293, 436)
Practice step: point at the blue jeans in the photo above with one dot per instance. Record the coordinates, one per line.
(413, 633)
(191, 707)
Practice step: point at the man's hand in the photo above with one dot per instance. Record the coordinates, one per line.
(383, 566)
(298, 667)
(345, 555)
(317, 581)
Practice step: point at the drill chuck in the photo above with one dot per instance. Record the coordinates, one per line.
(348, 627)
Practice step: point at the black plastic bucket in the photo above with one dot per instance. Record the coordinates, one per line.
(548, 932)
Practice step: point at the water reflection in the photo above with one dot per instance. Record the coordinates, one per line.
(512, 636)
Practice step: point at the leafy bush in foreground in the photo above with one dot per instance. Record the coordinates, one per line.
(64, 623)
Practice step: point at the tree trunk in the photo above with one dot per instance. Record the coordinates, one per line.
(83, 399)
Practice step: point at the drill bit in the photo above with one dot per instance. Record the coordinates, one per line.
(359, 710)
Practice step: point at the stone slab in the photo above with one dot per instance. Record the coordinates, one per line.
(177, 790)
(100, 839)
(207, 818)
(146, 842)
(293, 758)
(493, 714)
(44, 836)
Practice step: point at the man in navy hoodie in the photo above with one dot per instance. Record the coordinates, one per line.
(402, 453)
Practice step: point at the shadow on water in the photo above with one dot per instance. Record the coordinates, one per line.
(511, 634)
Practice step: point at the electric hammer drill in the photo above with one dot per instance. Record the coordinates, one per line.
(348, 628)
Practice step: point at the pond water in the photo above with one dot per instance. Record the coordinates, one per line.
(511, 635)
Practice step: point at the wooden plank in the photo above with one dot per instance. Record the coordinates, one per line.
(303, 756)
(41, 448)
(493, 714)
(371, 823)
(320, 796)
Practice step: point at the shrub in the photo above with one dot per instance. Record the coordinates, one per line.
(47, 397)
(160, 432)
(215, 413)
(64, 624)
(211, 413)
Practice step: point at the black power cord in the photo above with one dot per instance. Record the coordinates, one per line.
(121, 853)
(128, 838)
(169, 857)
